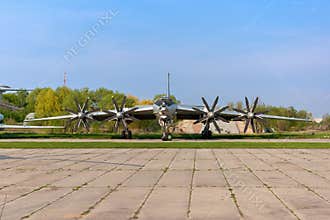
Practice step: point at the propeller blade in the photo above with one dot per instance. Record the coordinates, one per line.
(131, 110)
(85, 124)
(200, 120)
(247, 104)
(79, 123)
(259, 117)
(206, 104)
(222, 109)
(115, 104)
(70, 111)
(116, 126)
(240, 111)
(124, 124)
(123, 104)
(217, 126)
(222, 119)
(247, 125)
(215, 103)
(198, 110)
(85, 106)
(111, 118)
(132, 118)
(255, 104)
(253, 126)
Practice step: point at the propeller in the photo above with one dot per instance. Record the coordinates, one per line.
(82, 116)
(121, 114)
(211, 115)
(250, 115)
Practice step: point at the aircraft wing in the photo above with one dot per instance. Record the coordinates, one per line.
(284, 118)
(187, 112)
(63, 117)
(2, 127)
(145, 112)
(9, 89)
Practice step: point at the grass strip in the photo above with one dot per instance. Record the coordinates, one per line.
(196, 145)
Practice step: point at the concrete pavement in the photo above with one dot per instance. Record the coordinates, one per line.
(164, 184)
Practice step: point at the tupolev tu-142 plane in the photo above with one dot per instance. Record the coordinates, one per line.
(166, 111)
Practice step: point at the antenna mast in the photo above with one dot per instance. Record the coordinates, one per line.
(65, 79)
(168, 86)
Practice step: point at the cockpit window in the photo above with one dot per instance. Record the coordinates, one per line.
(163, 101)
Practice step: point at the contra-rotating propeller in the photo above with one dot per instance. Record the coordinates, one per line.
(121, 114)
(211, 115)
(82, 116)
(250, 115)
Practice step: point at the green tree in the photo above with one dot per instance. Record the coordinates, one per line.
(47, 103)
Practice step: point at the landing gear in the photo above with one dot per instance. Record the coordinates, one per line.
(126, 134)
(206, 133)
(167, 137)
(166, 125)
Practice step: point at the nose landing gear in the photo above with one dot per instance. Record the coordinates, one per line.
(166, 125)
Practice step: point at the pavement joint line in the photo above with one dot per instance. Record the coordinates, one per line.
(73, 190)
(269, 188)
(28, 179)
(303, 168)
(191, 185)
(49, 184)
(295, 180)
(229, 187)
(32, 158)
(3, 206)
(18, 160)
(308, 170)
(137, 212)
(86, 212)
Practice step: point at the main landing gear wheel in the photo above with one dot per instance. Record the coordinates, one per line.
(167, 137)
(126, 134)
(206, 134)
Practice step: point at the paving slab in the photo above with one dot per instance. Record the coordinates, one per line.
(207, 178)
(213, 203)
(176, 178)
(119, 205)
(166, 203)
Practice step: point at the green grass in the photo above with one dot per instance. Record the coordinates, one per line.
(293, 145)
(321, 135)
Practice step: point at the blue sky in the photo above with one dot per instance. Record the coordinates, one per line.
(276, 49)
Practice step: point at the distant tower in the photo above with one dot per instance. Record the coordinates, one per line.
(65, 79)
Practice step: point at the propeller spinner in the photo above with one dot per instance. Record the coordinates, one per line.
(211, 115)
(250, 115)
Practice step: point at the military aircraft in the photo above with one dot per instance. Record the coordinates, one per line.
(7, 127)
(3, 89)
(166, 111)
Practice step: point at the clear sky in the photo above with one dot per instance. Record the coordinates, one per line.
(276, 49)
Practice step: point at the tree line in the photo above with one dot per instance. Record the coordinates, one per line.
(45, 102)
